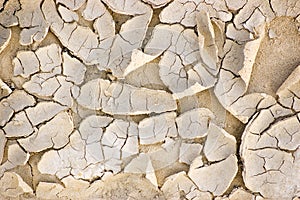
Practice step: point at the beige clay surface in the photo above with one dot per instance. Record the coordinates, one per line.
(150, 99)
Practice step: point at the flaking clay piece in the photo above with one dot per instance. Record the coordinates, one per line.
(118, 98)
(217, 177)
(194, 123)
(270, 150)
(183, 184)
(219, 144)
(31, 20)
(156, 129)
(53, 134)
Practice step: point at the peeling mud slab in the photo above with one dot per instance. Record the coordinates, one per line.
(150, 99)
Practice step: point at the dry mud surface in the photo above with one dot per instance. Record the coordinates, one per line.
(150, 99)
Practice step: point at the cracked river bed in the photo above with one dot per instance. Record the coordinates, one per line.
(150, 99)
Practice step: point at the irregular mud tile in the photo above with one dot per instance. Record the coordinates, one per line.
(51, 15)
(253, 14)
(156, 129)
(93, 10)
(67, 15)
(234, 80)
(271, 172)
(49, 57)
(287, 132)
(180, 81)
(78, 39)
(5, 35)
(246, 106)
(88, 158)
(120, 140)
(179, 11)
(263, 120)
(184, 11)
(162, 38)
(270, 154)
(31, 20)
(18, 126)
(2, 144)
(219, 144)
(63, 94)
(73, 151)
(15, 156)
(92, 94)
(25, 64)
(16, 102)
(235, 5)
(42, 85)
(142, 165)
(73, 69)
(216, 9)
(118, 98)
(238, 35)
(71, 4)
(215, 178)
(91, 130)
(105, 26)
(43, 111)
(184, 185)
(7, 16)
(104, 23)
(81, 41)
(228, 88)
(91, 125)
(130, 37)
(4, 89)
(54, 134)
(12, 186)
(19, 100)
(157, 3)
(188, 152)
(233, 56)
(237, 194)
(142, 101)
(182, 69)
(194, 123)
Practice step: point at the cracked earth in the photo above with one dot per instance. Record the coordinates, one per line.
(150, 99)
